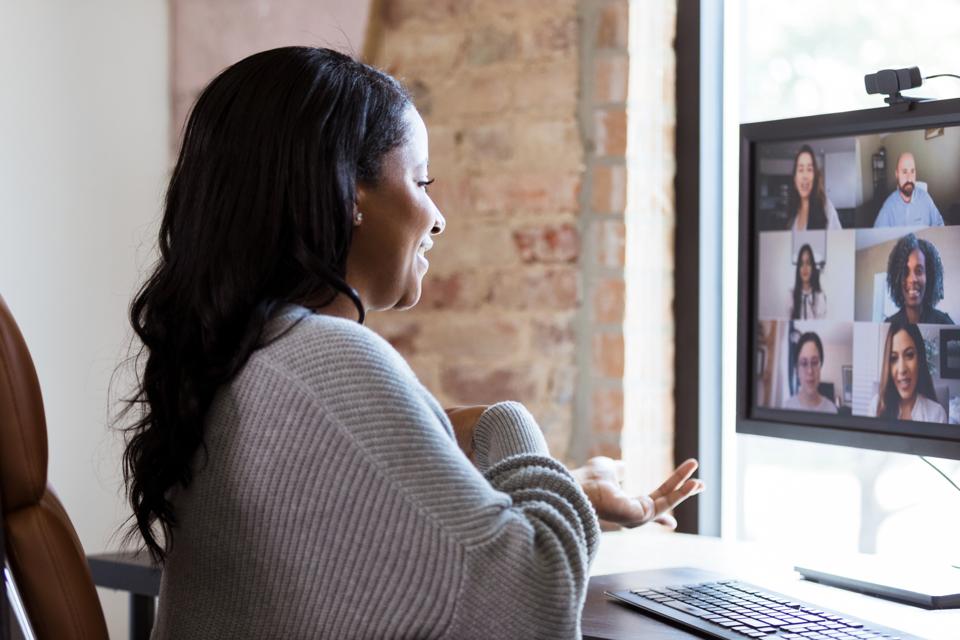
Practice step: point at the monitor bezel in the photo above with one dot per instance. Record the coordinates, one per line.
(858, 431)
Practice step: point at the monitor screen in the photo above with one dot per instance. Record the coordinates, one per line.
(850, 273)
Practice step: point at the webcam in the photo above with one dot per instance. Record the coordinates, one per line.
(891, 82)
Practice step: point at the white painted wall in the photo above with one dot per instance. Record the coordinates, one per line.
(84, 113)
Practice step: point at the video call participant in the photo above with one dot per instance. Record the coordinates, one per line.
(906, 387)
(807, 300)
(915, 280)
(809, 365)
(908, 206)
(808, 204)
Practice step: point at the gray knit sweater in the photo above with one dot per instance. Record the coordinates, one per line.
(333, 502)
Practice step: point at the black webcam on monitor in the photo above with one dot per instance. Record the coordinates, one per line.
(891, 82)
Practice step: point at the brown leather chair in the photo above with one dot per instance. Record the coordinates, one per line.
(48, 564)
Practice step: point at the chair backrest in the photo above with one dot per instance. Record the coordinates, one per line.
(43, 549)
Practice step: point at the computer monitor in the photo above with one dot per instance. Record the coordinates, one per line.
(850, 279)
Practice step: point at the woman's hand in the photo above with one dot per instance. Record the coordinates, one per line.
(464, 420)
(601, 480)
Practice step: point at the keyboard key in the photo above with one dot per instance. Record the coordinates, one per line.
(686, 608)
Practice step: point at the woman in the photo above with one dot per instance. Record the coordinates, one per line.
(915, 281)
(807, 299)
(808, 204)
(809, 366)
(287, 466)
(906, 387)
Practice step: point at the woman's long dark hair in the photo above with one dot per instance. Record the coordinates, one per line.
(816, 216)
(259, 213)
(798, 282)
(889, 402)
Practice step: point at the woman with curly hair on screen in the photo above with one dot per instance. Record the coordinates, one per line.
(915, 281)
(906, 386)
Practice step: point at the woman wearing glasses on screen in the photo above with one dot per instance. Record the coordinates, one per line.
(807, 300)
(809, 366)
(808, 204)
(915, 280)
(906, 387)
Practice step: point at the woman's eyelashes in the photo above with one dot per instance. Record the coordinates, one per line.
(425, 183)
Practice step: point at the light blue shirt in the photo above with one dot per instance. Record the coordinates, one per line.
(919, 212)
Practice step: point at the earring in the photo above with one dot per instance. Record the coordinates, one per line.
(357, 219)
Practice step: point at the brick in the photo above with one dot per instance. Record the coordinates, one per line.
(473, 336)
(548, 243)
(609, 301)
(460, 290)
(467, 384)
(394, 13)
(489, 44)
(451, 193)
(610, 78)
(611, 243)
(489, 142)
(608, 354)
(562, 384)
(608, 188)
(606, 411)
(610, 132)
(548, 144)
(554, 336)
(529, 192)
(465, 244)
(557, 288)
(444, 151)
(469, 92)
(544, 87)
(426, 58)
(613, 25)
(553, 35)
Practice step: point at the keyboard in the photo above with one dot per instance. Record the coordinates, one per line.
(735, 610)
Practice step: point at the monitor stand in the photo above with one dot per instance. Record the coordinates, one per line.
(924, 585)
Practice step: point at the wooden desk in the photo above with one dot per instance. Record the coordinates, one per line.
(620, 552)
(645, 549)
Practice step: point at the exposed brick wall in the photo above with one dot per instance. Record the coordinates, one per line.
(497, 83)
(603, 121)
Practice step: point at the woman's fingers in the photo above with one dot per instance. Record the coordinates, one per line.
(667, 502)
(679, 476)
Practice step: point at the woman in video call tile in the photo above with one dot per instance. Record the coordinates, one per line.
(915, 280)
(808, 204)
(807, 300)
(809, 365)
(906, 385)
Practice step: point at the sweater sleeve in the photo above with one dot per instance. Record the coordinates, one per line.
(526, 532)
